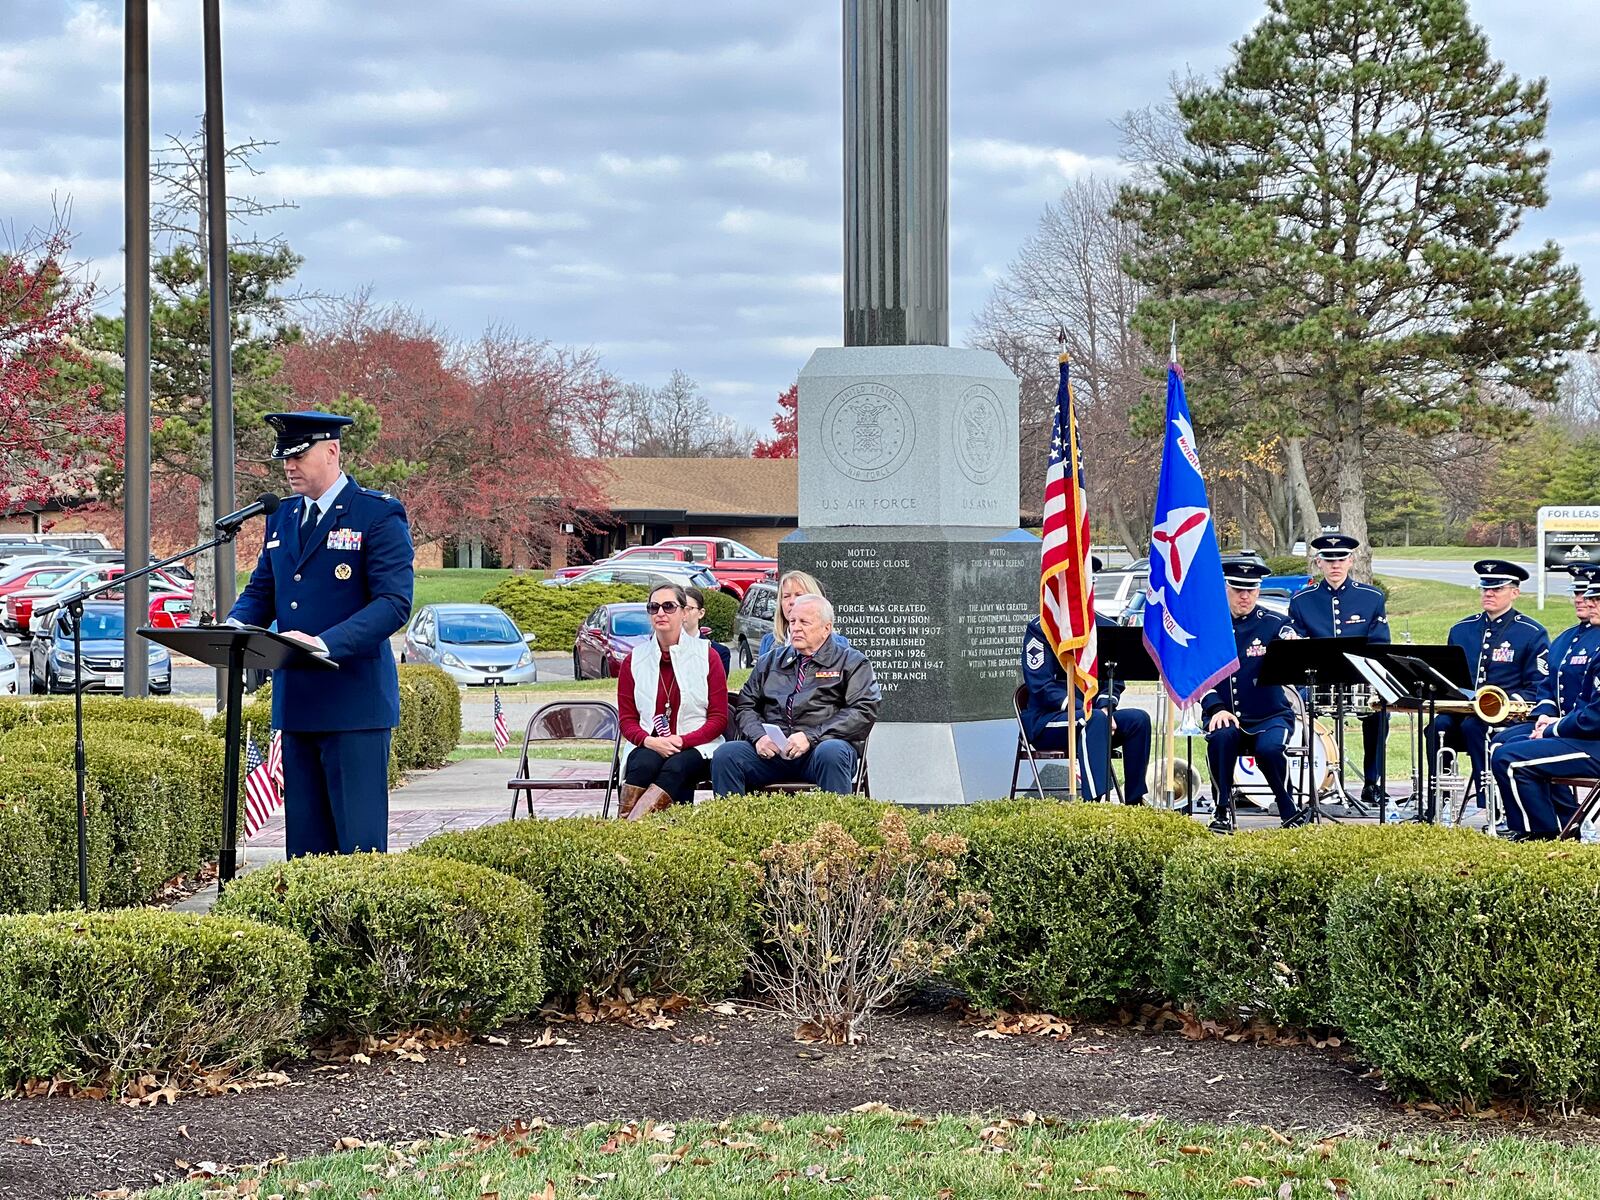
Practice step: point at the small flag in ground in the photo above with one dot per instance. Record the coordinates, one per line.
(263, 783)
(502, 735)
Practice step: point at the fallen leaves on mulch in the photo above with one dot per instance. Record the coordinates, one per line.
(150, 1090)
(408, 1044)
(1257, 1031)
(1003, 1024)
(636, 1012)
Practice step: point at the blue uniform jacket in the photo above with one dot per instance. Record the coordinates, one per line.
(1239, 693)
(1511, 651)
(350, 585)
(1571, 654)
(1354, 610)
(1047, 682)
(1582, 723)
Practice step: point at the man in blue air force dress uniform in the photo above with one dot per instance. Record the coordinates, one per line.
(1534, 808)
(1045, 720)
(334, 573)
(1241, 715)
(1505, 649)
(1337, 606)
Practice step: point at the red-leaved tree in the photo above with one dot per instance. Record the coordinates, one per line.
(787, 424)
(57, 430)
(478, 440)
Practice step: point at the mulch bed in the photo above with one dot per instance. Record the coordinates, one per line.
(712, 1065)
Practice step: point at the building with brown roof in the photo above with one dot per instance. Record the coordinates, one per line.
(752, 500)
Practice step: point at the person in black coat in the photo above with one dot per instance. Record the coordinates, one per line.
(1242, 715)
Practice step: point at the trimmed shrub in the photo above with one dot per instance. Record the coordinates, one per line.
(748, 824)
(92, 996)
(722, 610)
(627, 904)
(1463, 978)
(1289, 564)
(191, 775)
(126, 710)
(1244, 920)
(554, 613)
(1075, 890)
(434, 715)
(45, 794)
(398, 940)
(25, 883)
(151, 804)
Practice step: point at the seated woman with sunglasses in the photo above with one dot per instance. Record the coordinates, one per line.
(672, 696)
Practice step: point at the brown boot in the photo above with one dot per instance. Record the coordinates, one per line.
(654, 800)
(630, 796)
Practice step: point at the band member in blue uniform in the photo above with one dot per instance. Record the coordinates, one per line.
(1573, 652)
(1241, 715)
(1505, 649)
(334, 573)
(1045, 720)
(1338, 606)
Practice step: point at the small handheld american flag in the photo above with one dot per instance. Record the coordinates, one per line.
(502, 735)
(263, 783)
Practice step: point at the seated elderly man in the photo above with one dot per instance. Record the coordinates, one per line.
(800, 712)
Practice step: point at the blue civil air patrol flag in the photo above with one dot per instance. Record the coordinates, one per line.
(1187, 625)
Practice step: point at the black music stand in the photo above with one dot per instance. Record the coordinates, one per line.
(1123, 657)
(1428, 674)
(237, 648)
(1308, 663)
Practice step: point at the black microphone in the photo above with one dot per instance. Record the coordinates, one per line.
(264, 506)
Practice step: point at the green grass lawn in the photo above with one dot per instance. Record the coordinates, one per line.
(895, 1155)
(455, 585)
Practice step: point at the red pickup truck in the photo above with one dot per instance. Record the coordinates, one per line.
(735, 565)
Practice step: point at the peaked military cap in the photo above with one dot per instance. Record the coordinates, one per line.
(1497, 572)
(1334, 546)
(1244, 572)
(298, 431)
(1096, 563)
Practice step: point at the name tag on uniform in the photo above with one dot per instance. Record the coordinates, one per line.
(344, 539)
(1354, 619)
(273, 544)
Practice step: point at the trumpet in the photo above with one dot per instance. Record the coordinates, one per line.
(1490, 704)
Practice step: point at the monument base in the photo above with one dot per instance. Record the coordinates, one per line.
(939, 612)
(935, 764)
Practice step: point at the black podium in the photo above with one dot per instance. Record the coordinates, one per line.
(1311, 663)
(237, 648)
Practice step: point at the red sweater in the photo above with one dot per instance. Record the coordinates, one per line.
(716, 722)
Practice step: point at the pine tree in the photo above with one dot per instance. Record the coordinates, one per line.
(1334, 243)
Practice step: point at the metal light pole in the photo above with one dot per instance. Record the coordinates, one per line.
(222, 488)
(136, 331)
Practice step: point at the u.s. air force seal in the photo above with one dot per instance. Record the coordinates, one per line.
(868, 431)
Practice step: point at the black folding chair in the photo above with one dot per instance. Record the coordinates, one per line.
(569, 721)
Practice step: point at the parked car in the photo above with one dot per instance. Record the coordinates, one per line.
(644, 574)
(632, 554)
(20, 605)
(1114, 591)
(735, 565)
(606, 638)
(28, 572)
(50, 662)
(1274, 600)
(9, 671)
(474, 644)
(754, 621)
(171, 611)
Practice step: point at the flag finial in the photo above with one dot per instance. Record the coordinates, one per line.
(1173, 344)
(1061, 342)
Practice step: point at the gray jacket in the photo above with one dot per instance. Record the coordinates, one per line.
(839, 700)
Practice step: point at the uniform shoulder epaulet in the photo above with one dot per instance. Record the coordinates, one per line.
(377, 495)
(1469, 620)
(1312, 586)
(1527, 619)
(1367, 587)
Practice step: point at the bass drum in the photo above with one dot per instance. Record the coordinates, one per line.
(1249, 780)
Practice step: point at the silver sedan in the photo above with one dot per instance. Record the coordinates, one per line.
(475, 644)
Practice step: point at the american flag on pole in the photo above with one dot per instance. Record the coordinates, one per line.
(263, 783)
(1066, 584)
(502, 735)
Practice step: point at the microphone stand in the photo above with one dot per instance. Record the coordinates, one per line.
(74, 606)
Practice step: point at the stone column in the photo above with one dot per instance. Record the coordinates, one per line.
(896, 188)
(908, 448)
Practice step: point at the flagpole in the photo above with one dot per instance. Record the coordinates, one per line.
(1172, 747)
(1072, 738)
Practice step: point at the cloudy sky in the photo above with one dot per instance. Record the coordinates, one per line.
(660, 181)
